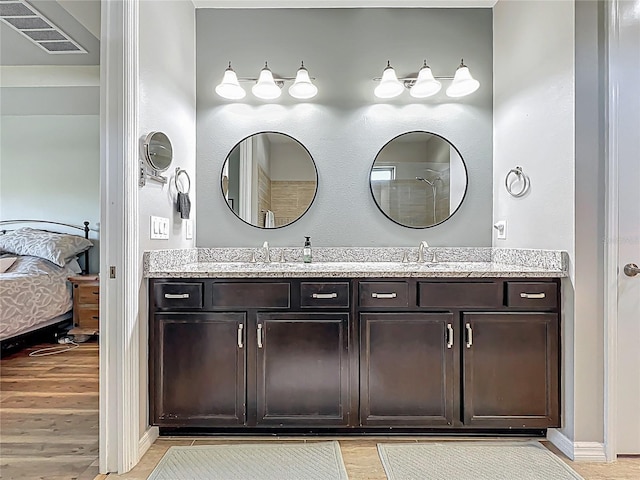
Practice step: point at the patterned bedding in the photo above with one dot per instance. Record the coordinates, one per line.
(32, 293)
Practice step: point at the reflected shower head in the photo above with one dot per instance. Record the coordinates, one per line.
(424, 180)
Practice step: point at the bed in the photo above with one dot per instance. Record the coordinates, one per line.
(34, 290)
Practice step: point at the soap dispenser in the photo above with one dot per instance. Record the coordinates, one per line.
(306, 251)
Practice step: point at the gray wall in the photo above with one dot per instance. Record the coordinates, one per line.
(50, 157)
(345, 125)
(166, 104)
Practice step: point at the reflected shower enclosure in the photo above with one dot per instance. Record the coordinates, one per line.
(418, 179)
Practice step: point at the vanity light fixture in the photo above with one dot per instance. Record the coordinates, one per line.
(302, 88)
(425, 84)
(229, 87)
(463, 83)
(267, 87)
(389, 86)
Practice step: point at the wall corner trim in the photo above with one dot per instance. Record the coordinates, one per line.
(577, 451)
(148, 438)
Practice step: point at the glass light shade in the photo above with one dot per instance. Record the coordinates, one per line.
(266, 87)
(463, 83)
(302, 88)
(229, 87)
(425, 85)
(389, 86)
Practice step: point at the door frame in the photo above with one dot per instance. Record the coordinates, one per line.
(120, 442)
(612, 120)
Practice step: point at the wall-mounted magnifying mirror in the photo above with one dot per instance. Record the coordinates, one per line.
(269, 180)
(158, 154)
(418, 179)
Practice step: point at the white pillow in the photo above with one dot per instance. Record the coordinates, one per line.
(6, 262)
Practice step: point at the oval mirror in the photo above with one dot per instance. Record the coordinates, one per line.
(418, 179)
(158, 151)
(269, 180)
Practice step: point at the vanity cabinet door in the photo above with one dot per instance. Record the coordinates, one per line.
(302, 369)
(510, 373)
(406, 369)
(198, 369)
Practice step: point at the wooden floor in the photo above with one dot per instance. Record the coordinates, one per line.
(49, 414)
(49, 427)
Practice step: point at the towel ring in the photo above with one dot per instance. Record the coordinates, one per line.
(179, 172)
(521, 176)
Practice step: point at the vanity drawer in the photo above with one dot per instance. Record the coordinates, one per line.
(251, 295)
(460, 294)
(175, 295)
(324, 294)
(384, 294)
(532, 294)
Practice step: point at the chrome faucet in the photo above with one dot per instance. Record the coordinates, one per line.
(267, 255)
(421, 248)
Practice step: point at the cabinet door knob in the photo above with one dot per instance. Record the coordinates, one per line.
(240, 327)
(384, 295)
(259, 335)
(532, 295)
(469, 335)
(449, 335)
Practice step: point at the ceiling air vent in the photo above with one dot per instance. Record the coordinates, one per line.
(21, 16)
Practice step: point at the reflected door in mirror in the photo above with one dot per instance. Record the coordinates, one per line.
(269, 180)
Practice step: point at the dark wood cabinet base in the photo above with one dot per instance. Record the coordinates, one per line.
(405, 356)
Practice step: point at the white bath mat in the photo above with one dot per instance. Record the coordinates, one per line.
(473, 461)
(263, 461)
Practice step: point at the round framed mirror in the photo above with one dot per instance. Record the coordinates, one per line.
(418, 179)
(269, 180)
(158, 151)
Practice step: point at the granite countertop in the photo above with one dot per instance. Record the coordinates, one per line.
(355, 262)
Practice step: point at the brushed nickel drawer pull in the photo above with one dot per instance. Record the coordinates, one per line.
(259, 335)
(324, 295)
(176, 295)
(533, 295)
(240, 327)
(384, 295)
(469, 335)
(449, 335)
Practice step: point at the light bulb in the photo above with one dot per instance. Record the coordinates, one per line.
(266, 87)
(463, 83)
(389, 86)
(229, 87)
(425, 85)
(302, 88)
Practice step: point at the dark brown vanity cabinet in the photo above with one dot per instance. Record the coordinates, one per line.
(406, 369)
(302, 368)
(228, 353)
(510, 370)
(198, 369)
(459, 354)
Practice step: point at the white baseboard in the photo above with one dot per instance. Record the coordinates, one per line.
(149, 437)
(577, 451)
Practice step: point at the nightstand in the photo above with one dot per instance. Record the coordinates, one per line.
(86, 304)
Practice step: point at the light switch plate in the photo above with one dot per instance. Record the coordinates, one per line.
(159, 228)
(188, 230)
(501, 227)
